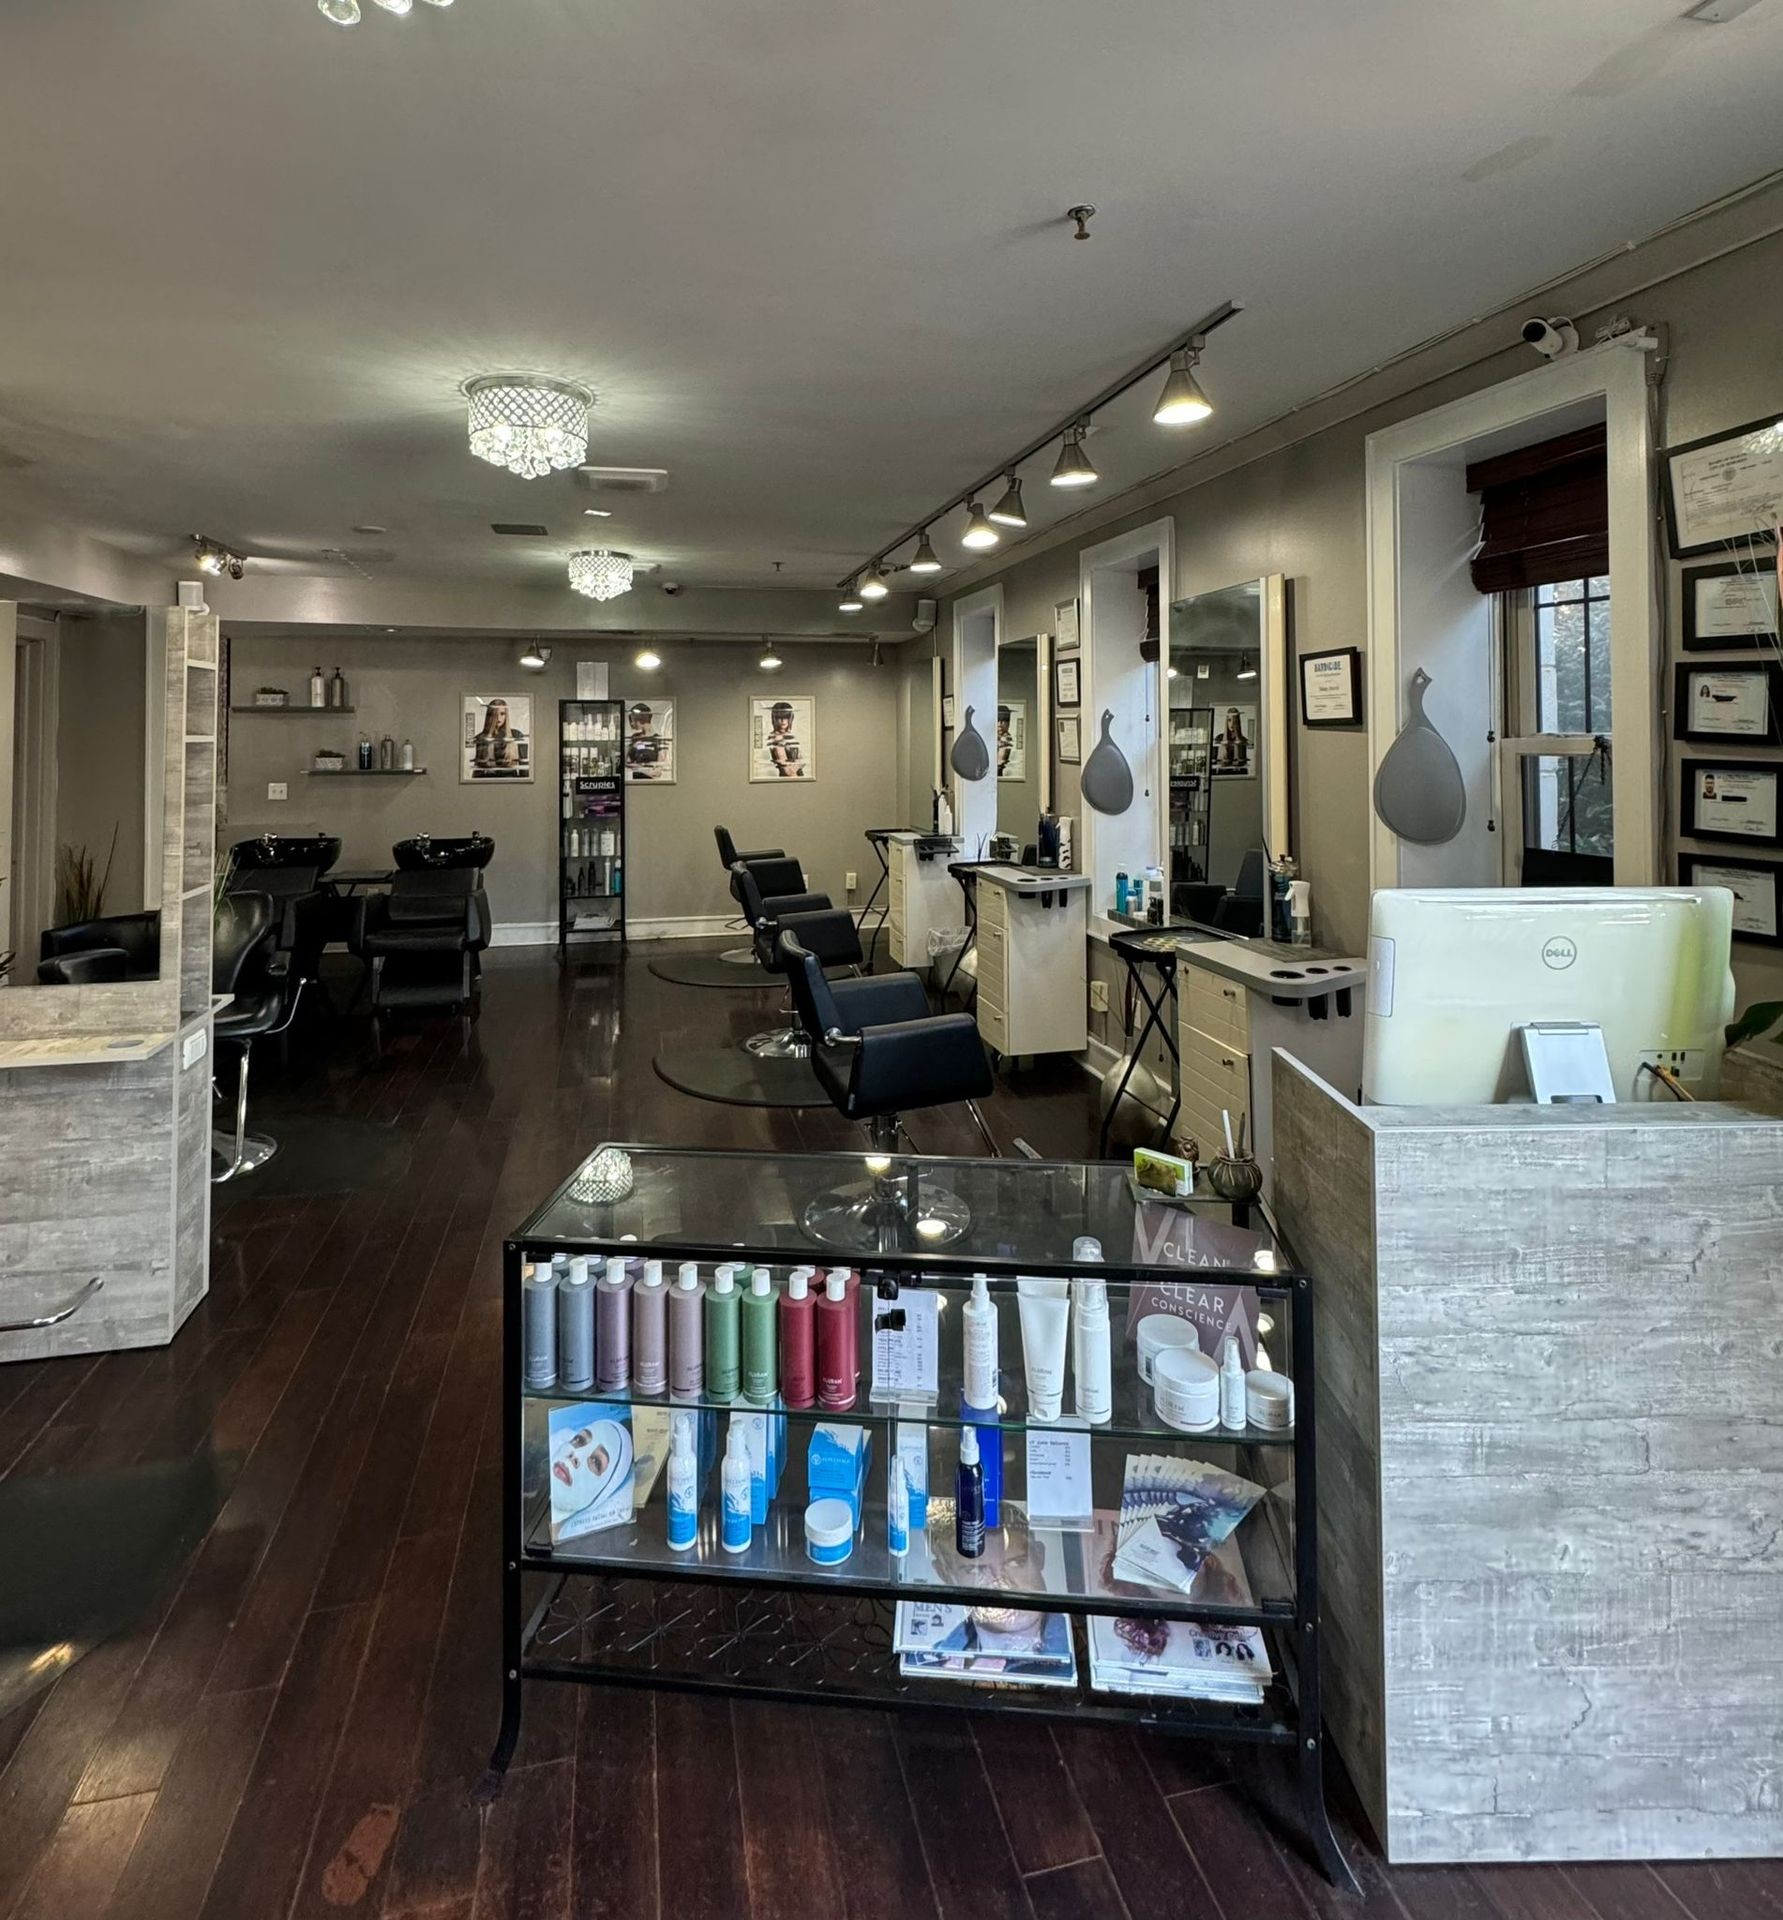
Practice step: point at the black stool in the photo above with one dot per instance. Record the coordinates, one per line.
(1154, 948)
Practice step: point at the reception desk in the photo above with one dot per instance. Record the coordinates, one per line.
(1550, 1377)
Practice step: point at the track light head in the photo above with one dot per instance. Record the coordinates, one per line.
(872, 584)
(1181, 403)
(770, 661)
(979, 534)
(924, 560)
(1074, 467)
(535, 658)
(851, 601)
(1009, 511)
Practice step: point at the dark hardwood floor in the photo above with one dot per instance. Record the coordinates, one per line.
(291, 1722)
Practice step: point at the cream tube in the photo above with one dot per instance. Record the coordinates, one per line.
(1045, 1307)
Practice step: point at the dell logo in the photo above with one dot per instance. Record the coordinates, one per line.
(1559, 953)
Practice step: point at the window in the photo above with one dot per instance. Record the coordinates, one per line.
(1555, 784)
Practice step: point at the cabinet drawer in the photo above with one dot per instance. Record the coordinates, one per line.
(993, 950)
(1217, 1008)
(1221, 1075)
(992, 1024)
(993, 908)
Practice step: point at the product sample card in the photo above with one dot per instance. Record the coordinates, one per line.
(906, 1360)
(1059, 1493)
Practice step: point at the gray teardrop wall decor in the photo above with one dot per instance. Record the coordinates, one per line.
(1107, 781)
(971, 758)
(1418, 788)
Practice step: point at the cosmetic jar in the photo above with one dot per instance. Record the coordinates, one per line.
(829, 1532)
(1269, 1400)
(1158, 1331)
(1186, 1390)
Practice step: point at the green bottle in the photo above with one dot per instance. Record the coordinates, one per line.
(721, 1335)
(760, 1378)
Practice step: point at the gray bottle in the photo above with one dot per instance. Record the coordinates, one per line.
(687, 1335)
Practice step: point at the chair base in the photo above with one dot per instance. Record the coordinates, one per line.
(782, 1043)
(883, 1216)
(256, 1150)
(739, 957)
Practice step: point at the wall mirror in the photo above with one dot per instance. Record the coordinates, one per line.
(1022, 746)
(81, 795)
(1226, 743)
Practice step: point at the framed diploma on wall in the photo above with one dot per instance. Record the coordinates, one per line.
(1730, 606)
(1728, 703)
(1754, 887)
(1726, 486)
(1331, 688)
(1732, 800)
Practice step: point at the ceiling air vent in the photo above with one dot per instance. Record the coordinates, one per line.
(525, 528)
(623, 479)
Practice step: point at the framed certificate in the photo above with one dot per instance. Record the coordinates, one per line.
(1064, 625)
(1065, 679)
(1331, 688)
(1730, 606)
(1726, 486)
(1731, 800)
(1727, 703)
(1070, 740)
(1754, 887)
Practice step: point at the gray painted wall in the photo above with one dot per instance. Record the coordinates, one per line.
(412, 684)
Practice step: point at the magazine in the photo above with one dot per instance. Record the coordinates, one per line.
(1174, 1512)
(1191, 1658)
(988, 1669)
(931, 1627)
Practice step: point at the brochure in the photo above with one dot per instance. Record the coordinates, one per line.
(591, 1469)
(1174, 1512)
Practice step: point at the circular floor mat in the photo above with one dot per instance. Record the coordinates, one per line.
(738, 1079)
(710, 970)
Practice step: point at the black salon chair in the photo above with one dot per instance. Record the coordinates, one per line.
(290, 869)
(422, 942)
(89, 967)
(428, 852)
(728, 856)
(1243, 909)
(248, 965)
(771, 893)
(136, 935)
(878, 1052)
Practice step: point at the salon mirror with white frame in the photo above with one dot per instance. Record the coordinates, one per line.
(82, 695)
(1226, 791)
(1021, 749)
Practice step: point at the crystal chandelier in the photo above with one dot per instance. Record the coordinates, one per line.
(528, 424)
(345, 13)
(602, 574)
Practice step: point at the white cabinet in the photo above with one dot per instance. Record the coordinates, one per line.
(923, 895)
(1032, 960)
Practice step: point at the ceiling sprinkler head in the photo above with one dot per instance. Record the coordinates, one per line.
(1083, 216)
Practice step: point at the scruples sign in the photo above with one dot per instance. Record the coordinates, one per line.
(1169, 1237)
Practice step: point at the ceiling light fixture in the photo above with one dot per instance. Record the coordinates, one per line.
(598, 513)
(534, 657)
(1074, 468)
(344, 13)
(397, 7)
(212, 557)
(979, 534)
(601, 574)
(872, 584)
(1009, 511)
(647, 661)
(1245, 673)
(771, 661)
(924, 560)
(528, 423)
(1182, 403)
(851, 601)
(1176, 404)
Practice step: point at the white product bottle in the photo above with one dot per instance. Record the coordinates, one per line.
(408, 756)
(897, 1511)
(735, 1526)
(1090, 1358)
(980, 1333)
(684, 1488)
(1232, 1408)
(944, 815)
(318, 689)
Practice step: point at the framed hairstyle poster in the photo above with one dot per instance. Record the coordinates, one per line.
(1012, 739)
(1070, 734)
(1331, 688)
(1726, 486)
(1754, 887)
(1064, 626)
(650, 742)
(1730, 606)
(1728, 703)
(1732, 800)
(496, 742)
(782, 737)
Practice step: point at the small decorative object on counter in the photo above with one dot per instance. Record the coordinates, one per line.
(271, 697)
(329, 760)
(1235, 1177)
(606, 1177)
(1163, 1172)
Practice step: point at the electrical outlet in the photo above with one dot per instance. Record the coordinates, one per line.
(850, 880)
(192, 1049)
(1098, 996)
(277, 790)
(1688, 1065)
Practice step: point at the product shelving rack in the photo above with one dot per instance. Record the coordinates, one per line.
(596, 774)
(770, 1624)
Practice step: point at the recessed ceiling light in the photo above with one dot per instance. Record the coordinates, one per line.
(648, 661)
(369, 528)
(598, 513)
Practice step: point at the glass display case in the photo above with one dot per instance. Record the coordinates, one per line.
(790, 1513)
(591, 819)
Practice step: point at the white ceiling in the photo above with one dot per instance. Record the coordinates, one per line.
(807, 252)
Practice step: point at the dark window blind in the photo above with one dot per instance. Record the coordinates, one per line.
(1544, 513)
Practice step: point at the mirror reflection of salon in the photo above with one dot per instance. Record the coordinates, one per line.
(1014, 749)
(1215, 745)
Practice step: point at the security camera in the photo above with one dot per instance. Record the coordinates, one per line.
(671, 586)
(1551, 338)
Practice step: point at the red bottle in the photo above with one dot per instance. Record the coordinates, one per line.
(798, 1338)
(838, 1364)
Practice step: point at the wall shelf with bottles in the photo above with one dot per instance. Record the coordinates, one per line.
(365, 773)
(591, 819)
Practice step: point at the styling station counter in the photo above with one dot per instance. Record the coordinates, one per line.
(921, 893)
(1031, 960)
(1551, 1468)
(1237, 1001)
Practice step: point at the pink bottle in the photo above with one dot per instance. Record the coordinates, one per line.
(798, 1340)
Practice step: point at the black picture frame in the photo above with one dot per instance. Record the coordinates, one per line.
(1672, 454)
(1690, 864)
(1354, 716)
(1690, 774)
(1682, 716)
(1071, 666)
(1725, 642)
